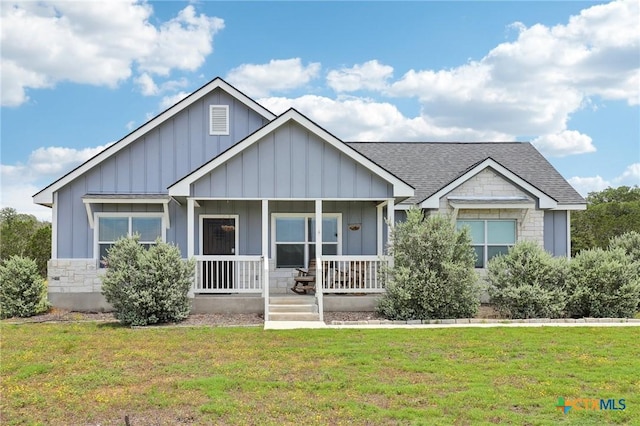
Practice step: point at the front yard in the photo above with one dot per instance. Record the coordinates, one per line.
(98, 373)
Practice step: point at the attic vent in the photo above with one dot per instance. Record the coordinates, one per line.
(218, 119)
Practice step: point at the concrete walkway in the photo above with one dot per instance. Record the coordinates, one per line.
(589, 322)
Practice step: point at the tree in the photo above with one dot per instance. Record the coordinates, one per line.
(610, 213)
(23, 235)
(433, 274)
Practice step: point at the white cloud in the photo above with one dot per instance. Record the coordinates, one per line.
(181, 43)
(147, 86)
(259, 80)
(371, 75)
(20, 181)
(567, 142)
(46, 42)
(629, 177)
(585, 185)
(169, 101)
(357, 119)
(532, 85)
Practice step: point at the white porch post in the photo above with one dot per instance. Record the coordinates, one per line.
(569, 234)
(265, 257)
(319, 273)
(54, 227)
(391, 210)
(190, 239)
(380, 228)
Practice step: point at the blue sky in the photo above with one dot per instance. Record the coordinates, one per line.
(564, 75)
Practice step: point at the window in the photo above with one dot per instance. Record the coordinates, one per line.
(112, 227)
(295, 238)
(218, 119)
(490, 238)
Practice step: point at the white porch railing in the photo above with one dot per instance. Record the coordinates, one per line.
(228, 274)
(353, 274)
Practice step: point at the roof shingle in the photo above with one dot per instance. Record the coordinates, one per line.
(429, 166)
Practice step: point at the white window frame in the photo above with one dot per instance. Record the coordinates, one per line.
(212, 131)
(306, 243)
(129, 215)
(485, 244)
(235, 217)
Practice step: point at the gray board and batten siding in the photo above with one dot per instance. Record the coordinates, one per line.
(556, 233)
(149, 165)
(292, 162)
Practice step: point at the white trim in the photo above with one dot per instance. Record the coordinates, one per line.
(391, 218)
(236, 241)
(265, 255)
(484, 206)
(98, 200)
(198, 198)
(212, 131)
(276, 215)
(380, 228)
(319, 282)
(182, 187)
(54, 227)
(571, 207)
(190, 227)
(96, 229)
(569, 234)
(402, 206)
(544, 201)
(45, 196)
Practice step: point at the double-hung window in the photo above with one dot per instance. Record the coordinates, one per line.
(490, 238)
(295, 238)
(111, 227)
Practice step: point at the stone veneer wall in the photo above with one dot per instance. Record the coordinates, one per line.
(280, 280)
(83, 276)
(488, 183)
(74, 276)
(75, 284)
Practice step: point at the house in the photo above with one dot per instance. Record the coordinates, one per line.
(252, 196)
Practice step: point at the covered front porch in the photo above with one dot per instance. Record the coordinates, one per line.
(248, 249)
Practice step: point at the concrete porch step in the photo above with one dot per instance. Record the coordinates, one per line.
(310, 309)
(294, 316)
(293, 308)
(292, 300)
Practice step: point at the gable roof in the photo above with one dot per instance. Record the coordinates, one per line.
(181, 188)
(45, 196)
(432, 166)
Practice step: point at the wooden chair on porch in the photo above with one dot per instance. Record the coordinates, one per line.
(306, 279)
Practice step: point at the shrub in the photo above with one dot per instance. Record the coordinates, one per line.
(23, 292)
(147, 286)
(603, 283)
(629, 242)
(433, 274)
(528, 282)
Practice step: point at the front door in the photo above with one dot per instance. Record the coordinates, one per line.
(218, 238)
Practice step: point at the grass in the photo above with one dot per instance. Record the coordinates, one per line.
(90, 373)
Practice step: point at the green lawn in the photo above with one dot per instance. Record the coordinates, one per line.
(91, 373)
